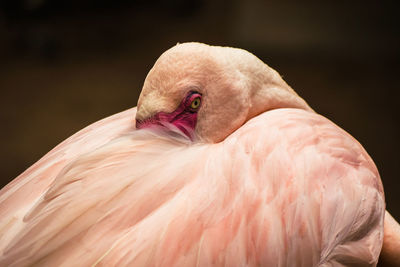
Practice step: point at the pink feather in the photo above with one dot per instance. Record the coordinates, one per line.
(114, 196)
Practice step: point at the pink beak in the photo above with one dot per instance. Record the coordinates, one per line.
(182, 119)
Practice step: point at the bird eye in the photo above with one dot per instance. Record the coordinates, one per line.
(195, 103)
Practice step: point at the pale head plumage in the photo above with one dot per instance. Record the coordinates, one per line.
(235, 84)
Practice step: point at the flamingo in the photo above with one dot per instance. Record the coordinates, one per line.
(220, 164)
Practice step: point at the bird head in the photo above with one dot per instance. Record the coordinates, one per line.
(207, 92)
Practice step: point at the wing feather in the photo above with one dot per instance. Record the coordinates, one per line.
(289, 188)
(18, 197)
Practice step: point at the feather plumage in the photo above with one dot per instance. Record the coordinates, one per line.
(143, 198)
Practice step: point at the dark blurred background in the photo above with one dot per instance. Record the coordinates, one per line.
(67, 63)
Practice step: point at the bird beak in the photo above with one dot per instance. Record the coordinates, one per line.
(169, 121)
(148, 122)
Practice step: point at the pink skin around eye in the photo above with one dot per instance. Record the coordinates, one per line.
(184, 117)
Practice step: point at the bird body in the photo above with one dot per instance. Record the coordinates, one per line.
(279, 186)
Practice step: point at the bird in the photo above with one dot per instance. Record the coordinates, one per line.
(221, 163)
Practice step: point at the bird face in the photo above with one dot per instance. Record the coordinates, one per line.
(183, 118)
(207, 92)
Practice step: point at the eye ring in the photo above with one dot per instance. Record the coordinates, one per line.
(195, 104)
